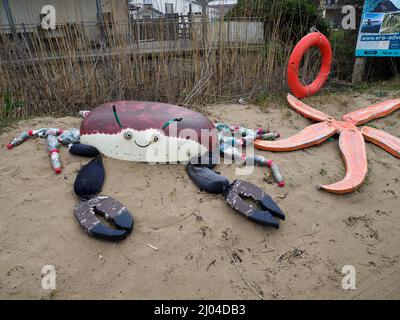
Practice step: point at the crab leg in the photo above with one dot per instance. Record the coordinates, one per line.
(306, 110)
(372, 112)
(352, 146)
(312, 135)
(382, 139)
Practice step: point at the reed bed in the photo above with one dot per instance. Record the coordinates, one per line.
(79, 66)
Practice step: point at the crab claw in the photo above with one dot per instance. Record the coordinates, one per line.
(352, 146)
(269, 213)
(382, 139)
(113, 211)
(306, 110)
(372, 112)
(264, 218)
(312, 135)
(270, 205)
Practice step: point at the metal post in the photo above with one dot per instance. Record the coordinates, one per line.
(10, 18)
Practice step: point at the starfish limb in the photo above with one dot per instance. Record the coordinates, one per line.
(382, 139)
(306, 110)
(375, 111)
(352, 146)
(312, 135)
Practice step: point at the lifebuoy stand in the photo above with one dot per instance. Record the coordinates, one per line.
(314, 39)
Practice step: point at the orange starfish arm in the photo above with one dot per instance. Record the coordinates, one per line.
(306, 110)
(386, 141)
(372, 112)
(312, 135)
(352, 146)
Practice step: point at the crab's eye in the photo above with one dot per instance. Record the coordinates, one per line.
(156, 138)
(128, 135)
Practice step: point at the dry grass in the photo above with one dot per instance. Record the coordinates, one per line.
(58, 72)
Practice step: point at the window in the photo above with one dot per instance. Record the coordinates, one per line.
(147, 1)
(169, 8)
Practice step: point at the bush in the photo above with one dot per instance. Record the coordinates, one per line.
(293, 17)
(343, 44)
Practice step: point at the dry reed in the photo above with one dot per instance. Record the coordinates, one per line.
(59, 72)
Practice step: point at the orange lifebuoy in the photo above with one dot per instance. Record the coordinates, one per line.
(314, 39)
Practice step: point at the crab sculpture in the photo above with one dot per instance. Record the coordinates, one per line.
(154, 133)
(157, 133)
(351, 141)
(148, 132)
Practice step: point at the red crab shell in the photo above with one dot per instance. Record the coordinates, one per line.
(140, 115)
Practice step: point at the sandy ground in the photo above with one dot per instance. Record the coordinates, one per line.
(192, 230)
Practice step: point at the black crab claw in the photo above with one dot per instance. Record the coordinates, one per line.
(208, 160)
(270, 205)
(112, 210)
(269, 212)
(90, 179)
(207, 179)
(83, 150)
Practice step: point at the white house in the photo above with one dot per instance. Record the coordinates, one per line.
(29, 12)
(222, 6)
(154, 8)
(25, 16)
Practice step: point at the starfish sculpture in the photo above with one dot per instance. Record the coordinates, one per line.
(351, 141)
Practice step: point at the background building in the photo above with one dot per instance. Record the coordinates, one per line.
(25, 16)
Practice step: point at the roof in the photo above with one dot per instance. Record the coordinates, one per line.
(150, 10)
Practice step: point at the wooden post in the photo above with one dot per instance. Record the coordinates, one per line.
(100, 21)
(204, 22)
(358, 70)
(138, 33)
(228, 31)
(10, 18)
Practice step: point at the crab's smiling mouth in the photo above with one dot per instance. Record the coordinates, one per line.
(140, 146)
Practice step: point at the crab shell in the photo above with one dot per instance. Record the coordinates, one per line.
(148, 132)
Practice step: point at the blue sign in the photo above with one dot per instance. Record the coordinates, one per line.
(379, 29)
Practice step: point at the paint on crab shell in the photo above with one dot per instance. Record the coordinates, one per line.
(142, 134)
(140, 146)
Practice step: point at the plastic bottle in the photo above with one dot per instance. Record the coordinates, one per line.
(263, 162)
(232, 141)
(70, 136)
(276, 173)
(231, 152)
(223, 129)
(271, 136)
(44, 132)
(257, 160)
(83, 113)
(53, 145)
(18, 140)
(249, 138)
(260, 131)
